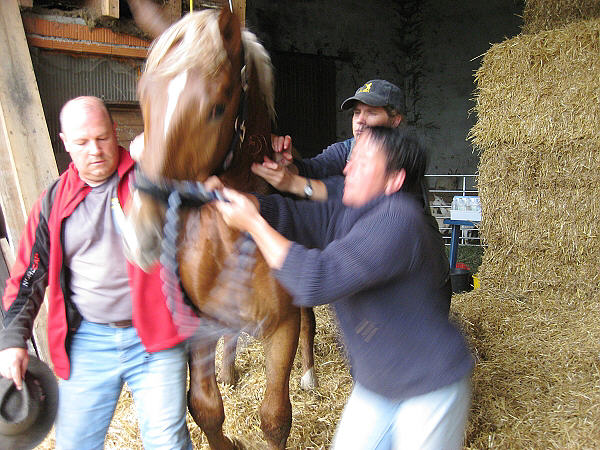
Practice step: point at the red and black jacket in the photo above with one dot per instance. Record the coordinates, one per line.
(39, 265)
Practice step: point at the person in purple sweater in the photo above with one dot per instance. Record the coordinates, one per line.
(379, 260)
(375, 103)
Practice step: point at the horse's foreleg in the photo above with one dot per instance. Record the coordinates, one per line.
(227, 374)
(308, 326)
(204, 399)
(276, 409)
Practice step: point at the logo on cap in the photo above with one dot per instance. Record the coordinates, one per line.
(366, 88)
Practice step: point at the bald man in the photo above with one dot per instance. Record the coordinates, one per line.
(108, 322)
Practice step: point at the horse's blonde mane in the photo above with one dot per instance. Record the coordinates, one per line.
(194, 41)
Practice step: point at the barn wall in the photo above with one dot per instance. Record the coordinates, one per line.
(428, 47)
(71, 59)
(63, 76)
(424, 46)
(455, 35)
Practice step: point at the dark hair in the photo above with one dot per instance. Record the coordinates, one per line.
(403, 149)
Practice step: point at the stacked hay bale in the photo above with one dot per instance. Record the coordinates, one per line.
(534, 325)
(540, 15)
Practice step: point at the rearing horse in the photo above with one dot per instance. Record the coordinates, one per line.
(207, 101)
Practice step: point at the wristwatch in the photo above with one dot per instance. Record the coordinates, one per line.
(308, 189)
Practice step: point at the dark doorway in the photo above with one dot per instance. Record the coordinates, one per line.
(305, 100)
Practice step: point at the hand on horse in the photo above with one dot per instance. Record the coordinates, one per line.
(13, 364)
(279, 176)
(282, 146)
(136, 147)
(240, 211)
(213, 183)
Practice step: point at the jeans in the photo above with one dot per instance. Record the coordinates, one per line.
(435, 421)
(102, 359)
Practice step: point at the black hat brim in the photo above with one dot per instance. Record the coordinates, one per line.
(368, 99)
(43, 424)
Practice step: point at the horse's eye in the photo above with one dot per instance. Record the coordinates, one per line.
(217, 111)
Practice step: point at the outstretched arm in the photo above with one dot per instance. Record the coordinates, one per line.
(284, 180)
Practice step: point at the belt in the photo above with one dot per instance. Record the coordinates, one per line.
(119, 324)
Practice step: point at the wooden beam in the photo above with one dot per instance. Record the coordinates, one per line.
(27, 163)
(239, 9)
(107, 8)
(172, 10)
(25, 143)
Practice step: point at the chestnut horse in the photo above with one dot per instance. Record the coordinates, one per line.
(207, 100)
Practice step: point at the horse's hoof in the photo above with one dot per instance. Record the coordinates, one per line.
(308, 382)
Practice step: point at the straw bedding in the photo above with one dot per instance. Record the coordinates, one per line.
(534, 325)
(314, 413)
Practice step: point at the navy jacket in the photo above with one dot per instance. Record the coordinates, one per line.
(328, 166)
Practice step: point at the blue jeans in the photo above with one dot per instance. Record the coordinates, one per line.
(436, 420)
(102, 359)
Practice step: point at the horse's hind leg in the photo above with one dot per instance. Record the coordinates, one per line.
(308, 326)
(227, 374)
(204, 399)
(276, 409)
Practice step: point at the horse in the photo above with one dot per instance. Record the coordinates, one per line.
(207, 101)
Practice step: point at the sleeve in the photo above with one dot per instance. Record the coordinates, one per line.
(330, 162)
(27, 284)
(376, 249)
(302, 221)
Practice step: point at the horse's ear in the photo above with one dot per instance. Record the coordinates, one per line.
(231, 32)
(149, 17)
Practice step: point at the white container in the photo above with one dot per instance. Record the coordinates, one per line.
(466, 208)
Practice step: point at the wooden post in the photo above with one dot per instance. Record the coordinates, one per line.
(107, 8)
(27, 163)
(172, 10)
(239, 9)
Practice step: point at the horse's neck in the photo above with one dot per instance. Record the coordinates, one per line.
(256, 144)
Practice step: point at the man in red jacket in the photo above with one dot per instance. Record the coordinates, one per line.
(108, 322)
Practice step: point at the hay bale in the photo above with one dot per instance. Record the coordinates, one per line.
(540, 15)
(537, 378)
(538, 130)
(534, 324)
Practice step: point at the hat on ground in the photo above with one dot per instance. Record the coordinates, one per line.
(26, 416)
(378, 93)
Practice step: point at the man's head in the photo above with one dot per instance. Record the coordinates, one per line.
(375, 103)
(384, 161)
(89, 135)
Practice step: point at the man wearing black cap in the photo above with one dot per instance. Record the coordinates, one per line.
(375, 103)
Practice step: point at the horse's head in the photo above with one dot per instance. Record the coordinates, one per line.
(195, 98)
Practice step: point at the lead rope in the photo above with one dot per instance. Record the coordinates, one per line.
(233, 281)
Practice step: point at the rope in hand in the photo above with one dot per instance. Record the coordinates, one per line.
(234, 280)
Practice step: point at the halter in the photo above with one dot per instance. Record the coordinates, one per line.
(240, 124)
(178, 193)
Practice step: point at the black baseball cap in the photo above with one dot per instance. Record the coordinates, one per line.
(378, 93)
